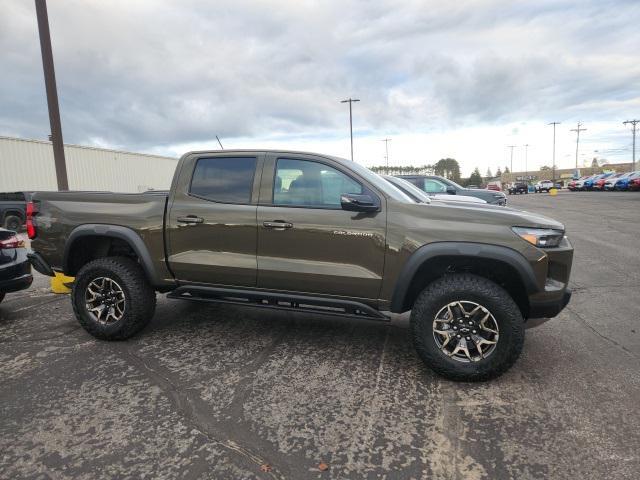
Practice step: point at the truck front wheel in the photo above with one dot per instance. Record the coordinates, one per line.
(112, 298)
(467, 328)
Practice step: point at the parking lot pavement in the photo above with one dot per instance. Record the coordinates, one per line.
(220, 392)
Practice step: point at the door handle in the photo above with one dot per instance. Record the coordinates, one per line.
(190, 219)
(277, 225)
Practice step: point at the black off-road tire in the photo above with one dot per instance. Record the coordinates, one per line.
(1, 297)
(140, 298)
(473, 288)
(12, 222)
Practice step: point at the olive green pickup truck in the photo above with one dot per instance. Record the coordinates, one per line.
(311, 233)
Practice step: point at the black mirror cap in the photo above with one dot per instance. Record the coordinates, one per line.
(358, 203)
(451, 190)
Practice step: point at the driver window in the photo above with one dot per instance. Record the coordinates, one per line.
(434, 186)
(310, 184)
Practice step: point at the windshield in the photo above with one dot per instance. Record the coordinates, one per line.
(450, 182)
(375, 179)
(408, 188)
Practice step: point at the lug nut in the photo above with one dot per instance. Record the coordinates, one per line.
(474, 331)
(459, 336)
(468, 338)
(455, 328)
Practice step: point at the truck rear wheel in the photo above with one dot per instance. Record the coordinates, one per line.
(12, 222)
(466, 327)
(112, 298)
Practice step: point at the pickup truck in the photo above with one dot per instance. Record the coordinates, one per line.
(310, 233)
(12, 210)
(518, 187)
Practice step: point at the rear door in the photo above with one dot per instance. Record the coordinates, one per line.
(306, 242)
(211, 226)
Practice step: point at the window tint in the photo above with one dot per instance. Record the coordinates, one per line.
(434, 186)
(224, 179)
(313, 184)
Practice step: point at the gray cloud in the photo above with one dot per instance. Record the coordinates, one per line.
(146, 74)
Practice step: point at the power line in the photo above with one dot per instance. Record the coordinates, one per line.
(350, 101)
(554, 150)
(578, 130)
(386, 147)
(633, 123)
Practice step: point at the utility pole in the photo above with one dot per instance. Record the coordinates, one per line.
(554, 150)
(578, 130)
(511, 167)
(526, 155)
(386, 147)
(52, 94)
(350, 101)
(633, 123)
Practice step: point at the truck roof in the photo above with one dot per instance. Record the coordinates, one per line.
(267, 150)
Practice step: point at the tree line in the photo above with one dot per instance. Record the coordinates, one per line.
(445, 167)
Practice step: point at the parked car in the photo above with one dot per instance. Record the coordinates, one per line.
(495, 186)
(610, 182)
(15, 269)
(588, 183)
(579, 184)
(311, 233)
(435, 184)
(12, 210)
(518, 187)
(622, 183)
(598, 184)
(543, 186)
(421, 197)
(634, 184)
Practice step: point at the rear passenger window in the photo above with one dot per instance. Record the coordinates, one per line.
(228, 180)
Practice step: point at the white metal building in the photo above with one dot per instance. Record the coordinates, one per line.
(27, 165)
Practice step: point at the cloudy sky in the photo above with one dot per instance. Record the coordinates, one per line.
(460, 79)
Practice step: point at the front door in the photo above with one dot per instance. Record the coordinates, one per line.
(306, 242)
(212, 220)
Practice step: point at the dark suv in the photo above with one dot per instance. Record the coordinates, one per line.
(435, 184)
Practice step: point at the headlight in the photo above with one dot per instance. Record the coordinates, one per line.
(540, 237)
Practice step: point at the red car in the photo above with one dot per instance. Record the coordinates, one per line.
(634, 184)
(494, 187)
(572, 184)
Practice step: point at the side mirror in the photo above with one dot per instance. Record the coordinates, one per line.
(358, 203)
(451, 190)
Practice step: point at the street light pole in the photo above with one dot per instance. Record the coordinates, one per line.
(554, 150)
(52, 94)
(350, 101)
(386, 147)
(633, 123)
(578, 130)
(511, 167)
(526, 155)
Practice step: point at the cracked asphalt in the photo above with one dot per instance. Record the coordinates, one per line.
(218, 392)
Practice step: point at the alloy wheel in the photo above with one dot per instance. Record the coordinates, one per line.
(105, 300)
(465, 331)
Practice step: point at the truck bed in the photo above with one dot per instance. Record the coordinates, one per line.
(61, 213)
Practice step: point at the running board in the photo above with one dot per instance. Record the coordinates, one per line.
(280, 301)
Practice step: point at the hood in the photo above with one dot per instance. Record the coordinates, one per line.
(485, 213)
